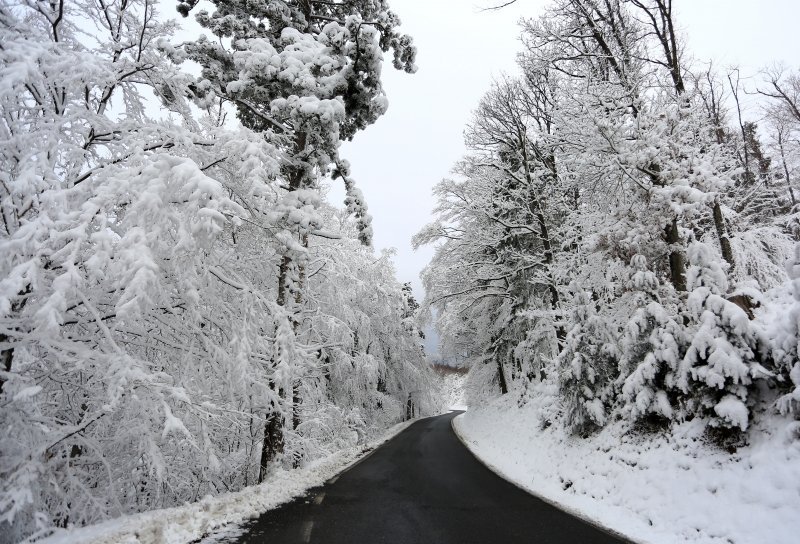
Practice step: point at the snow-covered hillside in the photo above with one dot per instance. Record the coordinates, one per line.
(654, 489)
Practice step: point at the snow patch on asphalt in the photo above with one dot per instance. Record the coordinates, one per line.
(653, 489)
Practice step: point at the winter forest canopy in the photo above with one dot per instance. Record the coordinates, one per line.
(182, 311)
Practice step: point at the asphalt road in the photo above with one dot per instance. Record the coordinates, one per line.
(423, 486)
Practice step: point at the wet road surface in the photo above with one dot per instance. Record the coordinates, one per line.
(423, 486)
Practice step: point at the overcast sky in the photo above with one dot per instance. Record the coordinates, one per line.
(398, 160)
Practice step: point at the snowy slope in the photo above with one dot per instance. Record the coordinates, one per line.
(194, 521)
(658, 490)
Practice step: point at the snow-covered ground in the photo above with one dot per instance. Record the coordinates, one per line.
(664, 489)
(194, 521)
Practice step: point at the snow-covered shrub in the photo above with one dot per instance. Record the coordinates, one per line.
(760, 254)
(587, 365)
(481, 384)
(652, 347)
(722, 360)
(787, 343)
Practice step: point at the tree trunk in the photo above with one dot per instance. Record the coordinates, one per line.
(544, 234)
(786, 169)
(722, 234)
(7, 354)
(273, 426)
(296, 400)
(273, 443)
(283, 273)
(298, 299)
(6, 358)
(501, 375)
(677, 260)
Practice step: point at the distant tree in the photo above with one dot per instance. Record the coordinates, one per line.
(782, 109)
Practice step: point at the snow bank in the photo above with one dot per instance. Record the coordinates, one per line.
(194, 521)
(653, 489)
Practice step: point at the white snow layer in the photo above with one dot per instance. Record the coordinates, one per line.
(664, 489)
(191, 522)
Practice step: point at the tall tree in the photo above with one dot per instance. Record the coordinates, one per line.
(307, 74)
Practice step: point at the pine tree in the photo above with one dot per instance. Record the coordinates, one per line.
(722, 359)
(588, 365)
(788, 344)
(653, 345)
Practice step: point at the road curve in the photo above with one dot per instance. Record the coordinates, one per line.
(423, 486)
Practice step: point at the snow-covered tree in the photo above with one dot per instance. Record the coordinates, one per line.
(307, 74)
(587, 365)
(653, 344)
(788, 341)
(115, 240)
(722, 359)
(140, 328)
(608, 151)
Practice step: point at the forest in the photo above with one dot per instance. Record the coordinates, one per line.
(621, 232)
(181, 311)
(617, 263)
(186, 316)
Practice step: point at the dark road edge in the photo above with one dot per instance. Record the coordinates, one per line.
(555, 504)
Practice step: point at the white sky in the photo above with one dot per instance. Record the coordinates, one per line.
(397, 161)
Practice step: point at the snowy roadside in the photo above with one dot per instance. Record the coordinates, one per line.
(192, 522)
(656, 490)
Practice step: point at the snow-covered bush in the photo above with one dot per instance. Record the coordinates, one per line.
(587, 365)
(724, 353)
(653, 344)
(787, 342)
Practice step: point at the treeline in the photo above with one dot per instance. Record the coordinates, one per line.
(619, 231)
(180, 311)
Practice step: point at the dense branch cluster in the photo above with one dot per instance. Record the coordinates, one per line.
(180, 311)
(618, 234)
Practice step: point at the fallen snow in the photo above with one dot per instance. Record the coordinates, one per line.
(653, 489)
(217, 516)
